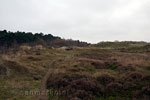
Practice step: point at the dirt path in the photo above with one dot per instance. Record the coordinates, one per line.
(43, 89)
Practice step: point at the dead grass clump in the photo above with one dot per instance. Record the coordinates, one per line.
(132, 59)
(25, 47)
(38, 47)
(105, 79)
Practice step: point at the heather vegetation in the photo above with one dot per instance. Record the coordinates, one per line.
(104, 71)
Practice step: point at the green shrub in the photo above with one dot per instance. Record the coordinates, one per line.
(112, 66)
(52, 94)
(90, 69)
(147, 68)
(75, 66)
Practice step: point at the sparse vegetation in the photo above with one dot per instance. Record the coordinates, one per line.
(105, 71)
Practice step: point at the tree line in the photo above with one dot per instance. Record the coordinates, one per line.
(8, 39)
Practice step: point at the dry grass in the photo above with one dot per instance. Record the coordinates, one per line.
(77, 61)
(132, 59)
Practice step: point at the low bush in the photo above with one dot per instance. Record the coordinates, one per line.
(112, 65)
(90, 69)
(146, 90)
(75, 87)
(98, 65)
(84, 88)
(75, 98)
(34, 58)
(147, 68)
(143, 93)
(15, 67)
(134, 77)
(62, 80)
(3, 70)
(105, 79)
(146, 78)
(76, 69)
(114, 87)
(75, 66)
(129, 86)
(125, 68)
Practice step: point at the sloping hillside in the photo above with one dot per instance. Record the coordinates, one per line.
(87, 73)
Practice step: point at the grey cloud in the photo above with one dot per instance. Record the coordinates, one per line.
(87, 20)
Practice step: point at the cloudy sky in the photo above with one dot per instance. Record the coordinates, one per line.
(86, 20)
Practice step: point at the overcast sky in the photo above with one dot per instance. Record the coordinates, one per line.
(86, 20)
